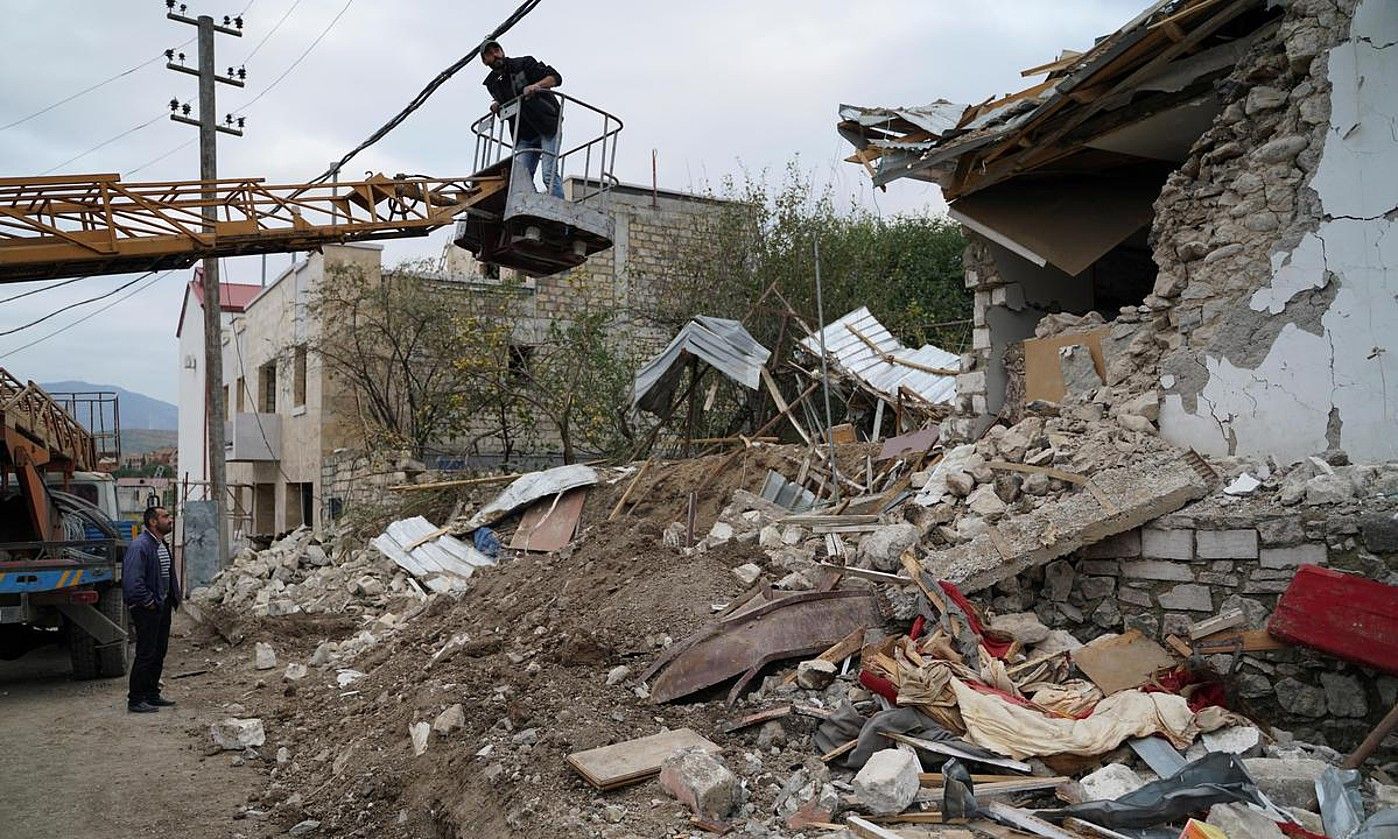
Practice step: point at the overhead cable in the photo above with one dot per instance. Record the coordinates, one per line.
(423, 95)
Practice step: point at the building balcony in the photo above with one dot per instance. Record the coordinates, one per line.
(253, 438)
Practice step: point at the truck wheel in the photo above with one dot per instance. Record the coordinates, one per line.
(91, 661)
(112, 659)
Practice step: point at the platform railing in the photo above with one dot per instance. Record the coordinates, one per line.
(590, 163)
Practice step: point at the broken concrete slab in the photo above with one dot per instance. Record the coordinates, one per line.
(1289, 782)
(264, 657)
(701, 782)
(234, 734)
(888, 783)
(1242, 820)
(450, 720)
(815, 674)
(881, 548)
(1241, 740)
(1024, 627)
(1111, 782)
(1140, 493)
(1226, 544)
(417, 733)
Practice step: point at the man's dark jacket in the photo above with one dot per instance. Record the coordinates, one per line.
(140, 574)
(539, 113)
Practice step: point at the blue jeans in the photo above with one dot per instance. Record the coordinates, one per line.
(531, 149)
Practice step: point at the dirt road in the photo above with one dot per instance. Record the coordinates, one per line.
(74, 763)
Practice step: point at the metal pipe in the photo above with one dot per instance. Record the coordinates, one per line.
(825, 373)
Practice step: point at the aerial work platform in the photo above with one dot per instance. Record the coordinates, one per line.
(523, 228)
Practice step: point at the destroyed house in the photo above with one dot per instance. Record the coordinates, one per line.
(1195, 210)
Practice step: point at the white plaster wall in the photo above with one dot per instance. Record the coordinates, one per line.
(1283, 406)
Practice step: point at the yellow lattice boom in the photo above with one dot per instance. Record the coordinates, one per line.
(79, 225)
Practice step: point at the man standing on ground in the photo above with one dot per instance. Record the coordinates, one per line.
(152, 592)
(538, 129)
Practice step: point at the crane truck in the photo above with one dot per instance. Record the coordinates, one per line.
(60, 554)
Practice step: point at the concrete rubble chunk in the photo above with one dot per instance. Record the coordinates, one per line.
(234, 734)
(295, 672)
(1243, 821)
(618, 674)
(747, 573)
(985, 502)
(1139, 493)
(888, 783)
(1058, 641)
(701, 782)
(1328, 489)
(882, 548)
(263, 656)
(1241, 740)
(1111, 782)
(304, 827)
(452, 719)
(1156, 569)
(418, 733)
(1024, 627)
(815, 674)
(960, 484)
(1289, 782)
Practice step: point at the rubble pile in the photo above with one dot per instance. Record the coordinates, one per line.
(298, 574)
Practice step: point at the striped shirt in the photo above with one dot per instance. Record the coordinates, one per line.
(165, 568)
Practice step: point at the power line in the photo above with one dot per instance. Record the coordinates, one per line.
(45, 288)
(87, 90)
(423, 95)
(268, 89)
(63, 309)
(155, 160)
(106, 142)
(270, 32)
(88, 316)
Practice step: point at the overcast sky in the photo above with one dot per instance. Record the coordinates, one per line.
(714, 87)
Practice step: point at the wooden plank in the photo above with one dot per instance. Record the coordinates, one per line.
(1123, 662)
(631, 486)
(1007, 787)
(1352, 618)
(843, 748)
(1021, 819)
(954, 751)
(757, 718)
(1218, 623)
(1178, 645)
(619, 764)
(839, 651)
(549, 524)
(1246, 640)
(1091, 829)
(866, 829)
(1157, 753)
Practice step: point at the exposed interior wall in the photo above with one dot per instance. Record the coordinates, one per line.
(1284, 296)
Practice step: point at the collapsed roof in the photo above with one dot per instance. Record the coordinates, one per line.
(1143, 93)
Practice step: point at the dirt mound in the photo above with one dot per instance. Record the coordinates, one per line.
(529, 650)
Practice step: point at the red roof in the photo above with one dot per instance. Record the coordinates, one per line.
(232, 297)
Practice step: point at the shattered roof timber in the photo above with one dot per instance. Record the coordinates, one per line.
(865, 350)
(1168, 48)
(723, 344)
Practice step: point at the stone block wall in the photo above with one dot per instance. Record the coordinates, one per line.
(1202, 561)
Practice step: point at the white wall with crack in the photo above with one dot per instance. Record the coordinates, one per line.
(1327, 378)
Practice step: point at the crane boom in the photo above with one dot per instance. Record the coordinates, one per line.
(79, 225)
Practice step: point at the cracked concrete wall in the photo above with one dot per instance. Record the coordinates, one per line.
(1285, 348)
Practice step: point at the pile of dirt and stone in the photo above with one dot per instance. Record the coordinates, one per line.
(426, 714)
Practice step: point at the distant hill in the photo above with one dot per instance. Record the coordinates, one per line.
(138, 411)
(142, 440)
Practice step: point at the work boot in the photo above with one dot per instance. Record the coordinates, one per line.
(141, 708)
(160, 701)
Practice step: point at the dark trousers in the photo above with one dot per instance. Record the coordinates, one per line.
(152, 640)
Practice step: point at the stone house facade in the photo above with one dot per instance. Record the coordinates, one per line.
(1191, 232)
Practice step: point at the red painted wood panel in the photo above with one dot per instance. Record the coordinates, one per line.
(1349, 617)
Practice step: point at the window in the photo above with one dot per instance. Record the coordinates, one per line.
(267, 376)
(242, 396)
(264, 508)
(300, 499)
(298, 378)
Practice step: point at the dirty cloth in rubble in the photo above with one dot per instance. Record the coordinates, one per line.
(1215, 778)
(847, 724)
(996, 724)
(527, 489)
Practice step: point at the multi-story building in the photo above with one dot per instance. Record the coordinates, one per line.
(292, 426)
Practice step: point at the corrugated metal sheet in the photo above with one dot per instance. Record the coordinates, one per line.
(936, 118)
(441, 563)
(529, 488)
(722, 343)
(853, 356)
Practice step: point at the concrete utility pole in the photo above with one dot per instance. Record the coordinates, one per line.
(215, 410)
